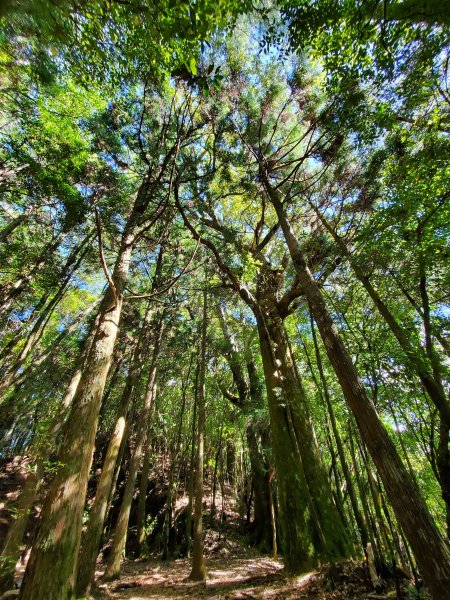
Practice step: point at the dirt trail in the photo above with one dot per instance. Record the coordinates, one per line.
(235, 572)
(235, 578)
(236, 575)
(231, 578)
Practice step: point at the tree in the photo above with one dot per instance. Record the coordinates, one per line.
(76, 451)
(316, 187)
(198, 571)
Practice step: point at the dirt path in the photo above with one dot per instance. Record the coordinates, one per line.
(237, 578)
(230, 578)
(235, 572)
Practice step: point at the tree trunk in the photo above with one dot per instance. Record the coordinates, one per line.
(258, 440)
(273, 520)
(40, 455)
(443, 452)
(198, 571)
(261, 533)
(173, 466)
(372, 532)
(120, 530)
(188, 532)
(214, 482)
(388, 552)
(443, 464)
(339, 445)
(119, 465)
(431, 551)
(141, 512)
(14, 223)
(311, 527)
(92, 537)
(293, 498)
(56, 546)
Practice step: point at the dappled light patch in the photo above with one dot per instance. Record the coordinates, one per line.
(240, 577)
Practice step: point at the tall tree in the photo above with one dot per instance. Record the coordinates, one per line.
(198, 571)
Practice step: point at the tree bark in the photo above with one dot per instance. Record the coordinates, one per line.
(120, 530)
(188, 532)
(303, 517)
(372, 532)
(261, 533)
(198, 570)
(141, 509)
(339, 445)
(56, 546)
(431, 551)
(90, 544)
(443, 464)
(40, 454)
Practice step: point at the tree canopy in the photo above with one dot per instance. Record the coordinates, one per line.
(224, 250)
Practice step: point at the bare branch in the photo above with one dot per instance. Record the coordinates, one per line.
(102, 257)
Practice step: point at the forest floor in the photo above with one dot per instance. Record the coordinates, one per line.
(236, 572)
(235, 578)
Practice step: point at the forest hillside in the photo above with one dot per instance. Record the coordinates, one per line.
(224, 299)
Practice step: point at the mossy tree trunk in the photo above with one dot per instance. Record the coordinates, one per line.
(143, 421)
(55, 549)
(92, 537)
(198, 570)
(431, 551)
(261, 531)
(311, 526)
(56, 546)
(39, 457)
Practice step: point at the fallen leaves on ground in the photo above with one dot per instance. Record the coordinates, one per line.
(238, 578)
